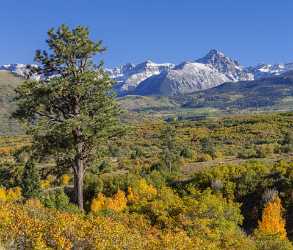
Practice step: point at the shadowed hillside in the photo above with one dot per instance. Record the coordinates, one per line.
(274, 93)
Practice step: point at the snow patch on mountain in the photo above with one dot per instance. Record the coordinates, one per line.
(129, 76)
(185, 78)
(269, 70)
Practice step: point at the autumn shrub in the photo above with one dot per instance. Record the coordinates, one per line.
(156, 178)
(247, 183)
(40, 228)
(137, 153)
(59, 200)
(65, 180)
(10, 194)
(204, 157)
(187, 153)
(265, 150)
(271, 242)
(116, 203)
(34, 227)
(93, 185)
(287, 148)
(247, 153)
(272, 222)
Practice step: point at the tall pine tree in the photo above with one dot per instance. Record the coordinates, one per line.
(70, 112)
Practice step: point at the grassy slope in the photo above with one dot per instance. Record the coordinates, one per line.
(8, 82)
(147, 103)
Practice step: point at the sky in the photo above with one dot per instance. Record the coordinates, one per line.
(259, 31)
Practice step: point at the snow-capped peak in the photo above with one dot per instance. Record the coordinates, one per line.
(230, 67)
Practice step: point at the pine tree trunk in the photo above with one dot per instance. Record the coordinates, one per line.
(78, 184)
(78, 169)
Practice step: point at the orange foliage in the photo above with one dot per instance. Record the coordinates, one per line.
(7, 150)
(65, 180)
(272, 222)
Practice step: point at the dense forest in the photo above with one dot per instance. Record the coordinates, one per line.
(84, 178)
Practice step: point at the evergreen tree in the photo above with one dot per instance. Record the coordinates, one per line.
(169, 149)
(30, 180)
(70, 112)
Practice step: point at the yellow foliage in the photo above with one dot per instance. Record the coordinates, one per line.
(2, 194)
(98, 203)
(40, 228)
(272, 222)
(65, 180)
(10, 195)
(141, 191)
(117, 203)
(33, 202)
(45, 184)
(13, 194)
(132, 197)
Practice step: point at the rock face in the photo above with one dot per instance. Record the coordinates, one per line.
(229, 67)
(129, 76)
(185, 78)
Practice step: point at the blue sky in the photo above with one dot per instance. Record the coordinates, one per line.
(162, 30)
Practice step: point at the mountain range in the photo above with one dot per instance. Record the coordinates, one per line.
(167, 79)
(214, 82)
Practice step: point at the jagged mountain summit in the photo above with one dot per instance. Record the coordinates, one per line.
(229, 67)
(129, 76)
